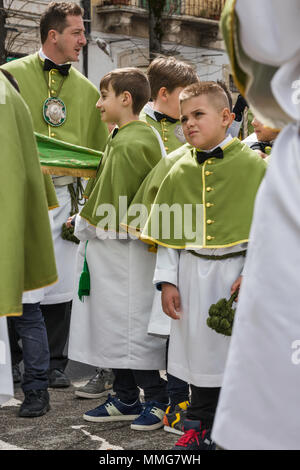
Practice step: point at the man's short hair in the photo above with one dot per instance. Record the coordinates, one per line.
(216, 93)
(129, 79)
(55, 17)
(170, 73)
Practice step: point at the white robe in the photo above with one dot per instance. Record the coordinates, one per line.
(65, 253)
(6, 382)
(197, 354)
(259, 401)
(109, 329)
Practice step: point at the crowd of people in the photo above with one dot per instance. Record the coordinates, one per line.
(160, 242)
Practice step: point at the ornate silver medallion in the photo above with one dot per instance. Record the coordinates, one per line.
(54, 111)
(179, 134)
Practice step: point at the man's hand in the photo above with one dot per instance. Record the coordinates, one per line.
(236, 286)
(170, 299)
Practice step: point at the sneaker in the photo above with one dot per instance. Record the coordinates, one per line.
(195, 437)
(173, 420)
(58, 379)
(151, 417)
(98, 386)
(114, 410)
(16, 374)
(36, 403)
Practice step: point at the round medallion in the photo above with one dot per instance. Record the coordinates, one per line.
(179, 134)
(54, 112)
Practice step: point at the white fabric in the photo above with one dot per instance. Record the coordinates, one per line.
(197, 354)
(6, 382)
(259, 402)
(269, 29)
(250, 139)
(36, 295)
(109, 329)
(65, 253)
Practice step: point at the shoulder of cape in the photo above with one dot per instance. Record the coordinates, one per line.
(248, 155)
(137, 134)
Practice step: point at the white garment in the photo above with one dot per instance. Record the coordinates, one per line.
(109, 329)
(65, 252)
(6, 382)
(259, 401)
(197, 354)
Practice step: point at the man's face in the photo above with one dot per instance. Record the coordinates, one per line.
(110, 105)
(71, 40)
(203, 125)
(173, 103)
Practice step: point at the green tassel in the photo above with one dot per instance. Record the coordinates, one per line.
(221, 315)
(84, 281)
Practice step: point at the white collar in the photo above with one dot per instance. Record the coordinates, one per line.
(44, 57)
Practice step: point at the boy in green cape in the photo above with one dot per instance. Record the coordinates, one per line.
(210, 191)
(109, 329)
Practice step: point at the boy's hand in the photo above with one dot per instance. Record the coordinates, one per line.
(70, 222)
(170, 299)
(236, 286)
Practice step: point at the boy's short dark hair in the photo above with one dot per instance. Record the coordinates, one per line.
(129, 79)
(214, 90)
(170, 73)
(55, 17)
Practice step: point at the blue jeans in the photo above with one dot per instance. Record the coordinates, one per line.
(32, 330)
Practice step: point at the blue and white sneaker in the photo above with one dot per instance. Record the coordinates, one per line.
(151, 418)
(114, 410)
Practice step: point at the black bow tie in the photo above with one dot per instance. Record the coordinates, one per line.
(63, 69)
(203, 156)
(114, 132)
(160, 116)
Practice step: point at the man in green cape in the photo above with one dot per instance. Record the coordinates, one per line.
(28, 259)
(62, 104)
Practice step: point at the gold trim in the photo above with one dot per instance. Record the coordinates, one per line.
(43, 285)
(53, 207)
(60, 171)
(204, 201)
(17, 314)
(177, 247)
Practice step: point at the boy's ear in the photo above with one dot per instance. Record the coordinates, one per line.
(162, 93)
(126, 98)
(227, 117)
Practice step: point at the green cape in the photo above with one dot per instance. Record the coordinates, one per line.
(61, 158)
(213, 201)
(128, 158)
(27, 260)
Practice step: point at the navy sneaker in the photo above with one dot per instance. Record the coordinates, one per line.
(196, 437)
(151, 417)
(114, 410)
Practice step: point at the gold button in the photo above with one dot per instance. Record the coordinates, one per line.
(52, 81)
(207, 173)
(209, 237)
(165, 139)
(209, 221)
(52, 91)
(209, 204)
(208, 189)
(166, 148)
(52, 134)
(209, 162)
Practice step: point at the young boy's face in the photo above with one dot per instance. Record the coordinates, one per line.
(204, 126)
(263, 133)
(109, 104)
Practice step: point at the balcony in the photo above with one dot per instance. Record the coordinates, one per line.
(209, 9)
(186, 22)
